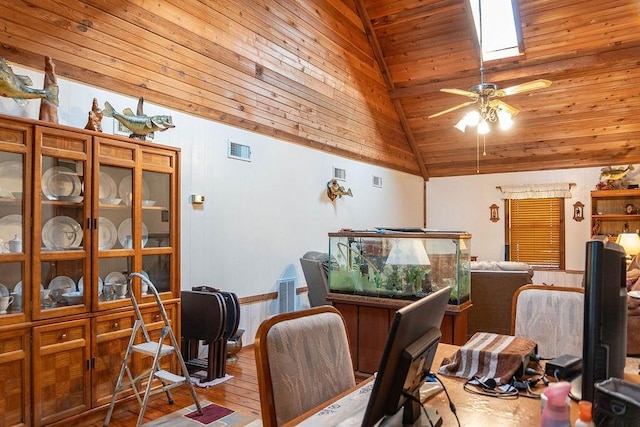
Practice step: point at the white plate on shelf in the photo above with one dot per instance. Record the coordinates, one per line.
(634, 294)
(62, 232)
(10, 227)
(107, 234)
(11, 177)
(18, 288)
(4, 291)
(115, 277)
(60, 285)
(124, 189)
(81, 285)
(107, 188)
(60, 181)
(124, 231)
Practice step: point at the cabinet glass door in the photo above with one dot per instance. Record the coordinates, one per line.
(12, 234)
(156, 220)
(62, 242)
(115, 244)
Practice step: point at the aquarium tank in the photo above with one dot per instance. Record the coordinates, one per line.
(400, 264)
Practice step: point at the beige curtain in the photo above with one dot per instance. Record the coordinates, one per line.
(536, 191)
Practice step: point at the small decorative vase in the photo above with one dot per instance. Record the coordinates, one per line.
(234, 345)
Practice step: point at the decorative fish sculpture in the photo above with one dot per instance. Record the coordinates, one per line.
(139, 124)
(610, 174)
(17, 87)
(336, 190)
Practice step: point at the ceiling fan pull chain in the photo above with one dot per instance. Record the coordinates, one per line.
(477, 152)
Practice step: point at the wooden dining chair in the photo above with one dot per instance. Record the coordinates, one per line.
(303, 360)
(552, 316)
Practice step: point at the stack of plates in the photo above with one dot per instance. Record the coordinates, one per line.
(107, 234)
(61, 285)
(124, 189)
(60, 181)
(62, 232)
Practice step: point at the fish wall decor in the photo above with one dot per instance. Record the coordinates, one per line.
(18, 87)
(140, 125)
(336, 190)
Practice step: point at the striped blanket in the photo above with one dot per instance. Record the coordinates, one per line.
(489, 355)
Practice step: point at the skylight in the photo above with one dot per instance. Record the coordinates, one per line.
(500, 35)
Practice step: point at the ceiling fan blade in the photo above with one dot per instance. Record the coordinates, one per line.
(448, 110)
(460, 92)
(524, 87)
(497, 104)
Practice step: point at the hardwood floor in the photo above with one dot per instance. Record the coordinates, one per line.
(239, 393)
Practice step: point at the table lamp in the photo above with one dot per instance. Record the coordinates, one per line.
(630, 242)
(408, 252)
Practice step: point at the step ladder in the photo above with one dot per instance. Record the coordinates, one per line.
(156, 350)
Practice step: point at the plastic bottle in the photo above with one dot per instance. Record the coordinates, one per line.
(584, 415)
(556, 411)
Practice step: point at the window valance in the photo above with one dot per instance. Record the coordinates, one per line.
(536, 191)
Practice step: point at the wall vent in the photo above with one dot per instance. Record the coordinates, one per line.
(239, 151)
(339, 174)
(376, 181)
(286, 295)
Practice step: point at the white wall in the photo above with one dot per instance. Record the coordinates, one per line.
(468, 210)
(260, 217)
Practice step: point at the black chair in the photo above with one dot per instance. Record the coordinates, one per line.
(315, 266)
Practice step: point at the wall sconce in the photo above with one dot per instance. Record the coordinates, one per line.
(578, 211)
(493, 215)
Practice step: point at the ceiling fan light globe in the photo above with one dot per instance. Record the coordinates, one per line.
(505, 119)
(472, 118)
(461, 125)
(483, 127)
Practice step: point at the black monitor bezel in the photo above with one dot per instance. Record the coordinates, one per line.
(410, 324)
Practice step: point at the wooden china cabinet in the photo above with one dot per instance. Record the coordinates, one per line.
(79, 210)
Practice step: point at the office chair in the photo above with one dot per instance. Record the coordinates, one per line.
(303, 360)
(315, 268)
(552, 316)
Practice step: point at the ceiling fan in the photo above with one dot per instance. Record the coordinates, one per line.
(485, 95)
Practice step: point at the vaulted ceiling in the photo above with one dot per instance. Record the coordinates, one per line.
(590, 50)
(358, 78)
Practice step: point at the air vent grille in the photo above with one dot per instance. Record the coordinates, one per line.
(239, 151)
(339, 174)
(286, 295)
(376, 181)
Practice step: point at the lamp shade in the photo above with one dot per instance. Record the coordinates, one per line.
(630, 242)
(408, 252)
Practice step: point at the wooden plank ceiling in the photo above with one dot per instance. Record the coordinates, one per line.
(357, 78)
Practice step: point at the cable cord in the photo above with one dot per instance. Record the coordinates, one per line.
(488, 388)
(451, 405)
(424, 409)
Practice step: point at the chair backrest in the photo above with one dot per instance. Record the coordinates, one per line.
(302, 360)
(317, 283)
(552, 316)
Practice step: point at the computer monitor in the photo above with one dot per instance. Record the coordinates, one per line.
(406, 359)
(604, 344)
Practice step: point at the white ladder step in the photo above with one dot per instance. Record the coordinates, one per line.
(169, 377)
(150, 348)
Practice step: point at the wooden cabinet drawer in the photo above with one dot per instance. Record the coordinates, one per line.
(63, 335)
(114, 326)
(14, 378)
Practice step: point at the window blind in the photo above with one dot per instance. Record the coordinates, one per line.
(537, 232)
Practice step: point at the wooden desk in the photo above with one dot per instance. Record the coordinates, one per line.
(473, 410)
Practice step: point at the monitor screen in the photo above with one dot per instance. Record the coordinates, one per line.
(407, 358)
(604, 343)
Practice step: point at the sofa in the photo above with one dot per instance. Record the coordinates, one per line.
(493, 284)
